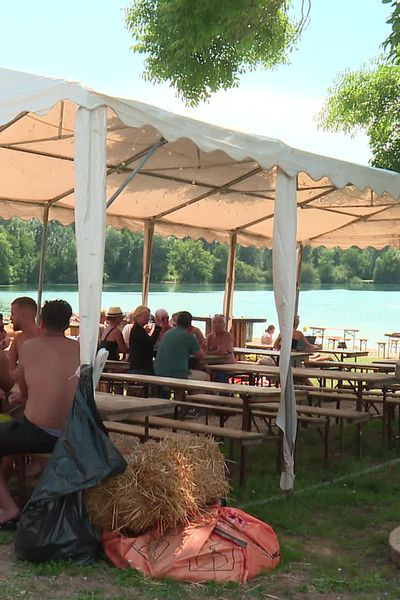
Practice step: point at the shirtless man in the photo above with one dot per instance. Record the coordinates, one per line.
(47, 381)
(6, 379)
(23, 314)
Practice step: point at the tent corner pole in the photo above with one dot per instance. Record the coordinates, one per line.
(300, 252)
(147, 252)
(43, 250)
(230, 279)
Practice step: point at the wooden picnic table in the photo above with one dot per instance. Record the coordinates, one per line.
(359, 380)
(255, 346)
(274, 354)
(250, 394)
(350, 366)
(341, 353)
(115, 407)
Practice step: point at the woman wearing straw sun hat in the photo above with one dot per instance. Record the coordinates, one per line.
(111, 337)
(141, 344)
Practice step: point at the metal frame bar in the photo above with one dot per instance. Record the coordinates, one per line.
(145, 158)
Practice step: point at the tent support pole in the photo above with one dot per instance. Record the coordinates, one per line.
(136, 170)
(230, 279)
(147, 252)
(42, 260)
(300, 249)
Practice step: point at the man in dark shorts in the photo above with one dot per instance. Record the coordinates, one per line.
(47, 380)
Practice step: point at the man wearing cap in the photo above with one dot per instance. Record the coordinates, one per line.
(111, 337)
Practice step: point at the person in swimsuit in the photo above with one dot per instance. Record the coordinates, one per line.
(297, 338)
(23, 315)
(111, 337)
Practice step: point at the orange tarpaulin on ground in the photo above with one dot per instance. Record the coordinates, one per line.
(230, 546)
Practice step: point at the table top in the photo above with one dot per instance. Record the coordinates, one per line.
(246, 319)
(335, 328)
(258, 393)
(342, 365)
(113, 407)
(304, 373)
(256, 346)
(393, 335)
(273, 353)
(344, 352)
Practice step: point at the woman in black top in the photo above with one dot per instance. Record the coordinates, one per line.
(111, 336)
(141, 344)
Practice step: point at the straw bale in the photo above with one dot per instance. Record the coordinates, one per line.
(166, 484)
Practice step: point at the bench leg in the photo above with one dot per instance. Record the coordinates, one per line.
(359, 440)
(327, 445)
(340, 437)
(19, 460)
(242, 464)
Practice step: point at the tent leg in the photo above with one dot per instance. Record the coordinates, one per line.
(147, 252)
(284, 274)
(300, 249)
(42, 260)
(230, 279)
(90, 222)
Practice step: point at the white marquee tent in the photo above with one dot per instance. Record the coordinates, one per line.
(72, 154)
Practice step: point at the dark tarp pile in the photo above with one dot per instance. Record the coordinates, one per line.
(54, 524)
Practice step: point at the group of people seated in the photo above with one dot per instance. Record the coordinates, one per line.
(38, 381)
(164, 346)
(39, 366)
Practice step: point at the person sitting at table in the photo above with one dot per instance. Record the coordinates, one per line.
(47, 379)
(4, 337)
(266, 337)
(23, 315)
(127, 328)
(141, 344)
(297, 339)
(192, 329)
(220, 341)
(161, 318)
(111, 337)
(176, 348)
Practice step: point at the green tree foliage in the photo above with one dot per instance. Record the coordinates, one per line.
(387, 267)
(190, 262)
(368, 99)
(186, 261)
(309, 274)
(202, 47)
(392, 43)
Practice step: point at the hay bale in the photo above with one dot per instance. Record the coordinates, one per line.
(166, 484)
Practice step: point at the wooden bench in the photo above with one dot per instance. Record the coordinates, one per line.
(20, 463)
(392, 402)
(326, 415)
(243, 438)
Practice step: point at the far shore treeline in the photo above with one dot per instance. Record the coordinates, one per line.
(186, 260)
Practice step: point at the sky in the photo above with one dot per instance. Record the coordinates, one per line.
(86, 40)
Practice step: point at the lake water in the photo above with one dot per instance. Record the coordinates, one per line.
(375, 310)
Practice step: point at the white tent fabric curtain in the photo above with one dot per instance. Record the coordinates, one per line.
(284, 274)
(90, 220)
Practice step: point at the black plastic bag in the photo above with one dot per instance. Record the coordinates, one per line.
(54, 524)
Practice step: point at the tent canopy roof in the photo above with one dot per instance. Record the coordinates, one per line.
(200, 181)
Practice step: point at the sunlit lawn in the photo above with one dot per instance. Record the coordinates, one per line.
(333, 532)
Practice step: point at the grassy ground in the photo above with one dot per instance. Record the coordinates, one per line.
(333, 532)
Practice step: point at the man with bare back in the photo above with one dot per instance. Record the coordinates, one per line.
(47, 380)
(23, 315)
